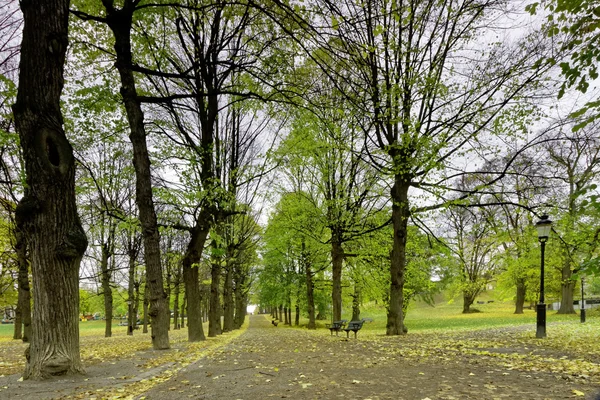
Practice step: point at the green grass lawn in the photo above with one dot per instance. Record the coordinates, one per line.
(449, 316)
(87, 328)
(421, 318)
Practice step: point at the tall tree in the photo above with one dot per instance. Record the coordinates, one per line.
(328, 144)
(409, 68)
(292, 256)
(516, 195)
(120, 21)
(208, 70)
(473, 243)
(575, 163)
(244, 260)
(11, 169)
(48, 211)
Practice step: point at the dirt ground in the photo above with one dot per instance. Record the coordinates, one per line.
(277, 362)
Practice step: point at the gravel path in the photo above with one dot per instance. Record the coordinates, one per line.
(269, 362)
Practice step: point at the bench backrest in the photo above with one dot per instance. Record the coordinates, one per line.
(355, 325)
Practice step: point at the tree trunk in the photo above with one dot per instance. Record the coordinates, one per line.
(228, 307)
(191, 260)
(400, 215)
(131, 312)
(120, 22)
(297, 320)
(281, 314)
(356, 302)
(567, 288)
(176, 305)
(468, 300)
(183, 308)
(566, 304)
(106, 289)
(214, 311)
(240, 293)
(136, 303)
(337, 259)
(48, 212)
(24, 295)
(18, 324)
(310, 296)
(205, 290)
(285, 316)
(146, 306)
(521, 292)
(168, 282)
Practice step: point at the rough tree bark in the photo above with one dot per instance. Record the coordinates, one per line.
(47, 213)
(356, 302)
(400, 215)
(228, 306)
(136, 303)
(521, 292)
(120, 22)
(568, 291)
(146, 307)
(240, 294)
(168, 283)
(193, 296)
(337, 259)
(468, 300)
(176, 293)
(24, 297)
(214, 311)
(183, 308)
(131, 300)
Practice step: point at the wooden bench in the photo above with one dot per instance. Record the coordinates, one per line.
(354, 326)
(336, 326)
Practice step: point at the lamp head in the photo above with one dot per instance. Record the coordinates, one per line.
(543, 226)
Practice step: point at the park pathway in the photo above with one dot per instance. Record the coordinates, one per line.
(278, 362)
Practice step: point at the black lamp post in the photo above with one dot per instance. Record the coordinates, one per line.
(582, 308)
(543, 227)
